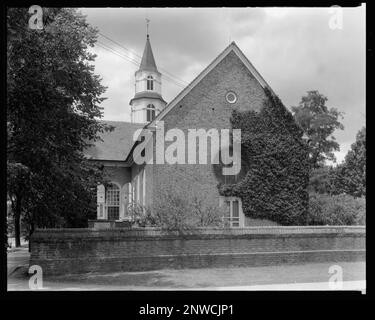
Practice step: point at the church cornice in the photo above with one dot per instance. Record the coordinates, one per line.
(145, 78)
(147, 95)
(147, 71)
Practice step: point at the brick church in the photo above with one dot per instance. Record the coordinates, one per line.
(229, 82)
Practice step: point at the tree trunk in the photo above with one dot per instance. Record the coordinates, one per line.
(17, 222)
(30, 233)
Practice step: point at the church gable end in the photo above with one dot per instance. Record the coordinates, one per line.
(206, 105)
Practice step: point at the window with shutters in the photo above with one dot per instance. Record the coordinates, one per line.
(112, 200)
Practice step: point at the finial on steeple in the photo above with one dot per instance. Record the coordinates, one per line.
(148, 61)
(147, 24)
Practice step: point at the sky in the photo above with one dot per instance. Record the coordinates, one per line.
(295, 50)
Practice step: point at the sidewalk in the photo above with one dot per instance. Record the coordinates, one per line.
(311, 286)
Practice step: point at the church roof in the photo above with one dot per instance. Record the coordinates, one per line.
(114, 145)
(148, 61)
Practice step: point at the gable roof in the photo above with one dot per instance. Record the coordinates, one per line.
(148, 60)
(231, 48)
(116, 144)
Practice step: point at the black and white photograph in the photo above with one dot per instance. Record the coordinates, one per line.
(185, 149)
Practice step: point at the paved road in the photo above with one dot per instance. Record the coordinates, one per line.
(312, 276)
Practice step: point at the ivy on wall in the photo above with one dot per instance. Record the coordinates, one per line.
(276, 160)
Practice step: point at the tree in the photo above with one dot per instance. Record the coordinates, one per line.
(322, 180)
(351, 177)
(318, 124)
(275, 184)
(53, 106)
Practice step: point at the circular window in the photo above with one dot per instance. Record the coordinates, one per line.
(231, 97)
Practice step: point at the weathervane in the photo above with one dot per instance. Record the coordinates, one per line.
(147, 24)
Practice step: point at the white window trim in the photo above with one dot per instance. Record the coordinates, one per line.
(227, 97)
(120, 201)
(241, 215)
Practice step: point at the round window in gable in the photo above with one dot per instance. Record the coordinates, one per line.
(231, 97)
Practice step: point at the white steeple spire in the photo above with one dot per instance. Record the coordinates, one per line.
(147, 101)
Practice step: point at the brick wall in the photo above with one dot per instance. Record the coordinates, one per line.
(64, 251)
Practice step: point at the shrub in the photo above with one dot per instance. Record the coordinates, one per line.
(138, 214)
(340, 209)
(183, 210)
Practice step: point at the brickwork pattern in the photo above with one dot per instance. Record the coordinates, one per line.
(111, 250)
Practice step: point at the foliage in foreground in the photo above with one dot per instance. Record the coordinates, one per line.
(53, 102)
(185, 210)
(340, 209)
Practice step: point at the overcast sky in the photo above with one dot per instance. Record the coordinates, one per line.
(295, 50)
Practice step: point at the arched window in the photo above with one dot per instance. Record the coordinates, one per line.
(112, 202)
(150, 112)
(150, 83)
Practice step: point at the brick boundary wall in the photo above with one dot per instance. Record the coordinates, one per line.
(72, 251)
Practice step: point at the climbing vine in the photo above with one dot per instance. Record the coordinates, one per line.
(276, 160)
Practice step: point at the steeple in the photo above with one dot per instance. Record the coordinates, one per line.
(147, 101)
(148, 60)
